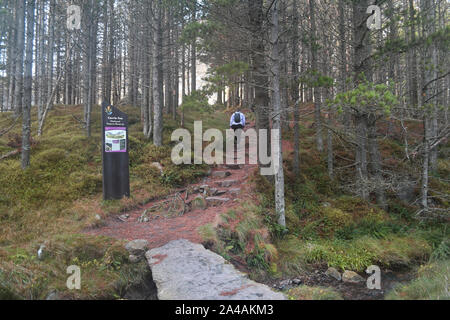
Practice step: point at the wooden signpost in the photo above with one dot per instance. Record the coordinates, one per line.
(116, 176)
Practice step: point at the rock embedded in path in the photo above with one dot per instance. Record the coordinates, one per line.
(216, 201)
(226, 183)
(216, 192)
(183, 270)
(124, 217)
(235, 191)
(332, 272)
(233, 166)
(352, 277)
(221, 174)
(137, 247)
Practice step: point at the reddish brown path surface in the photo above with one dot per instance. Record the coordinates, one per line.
(163, 229)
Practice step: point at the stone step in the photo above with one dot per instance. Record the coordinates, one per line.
(227, 183)
(201, 189)
(216, 201)
(235, 191)
(182, 270)
(216, 192)
(221, 174)
(233, 166)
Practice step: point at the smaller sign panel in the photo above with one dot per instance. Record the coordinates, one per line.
(115, 139)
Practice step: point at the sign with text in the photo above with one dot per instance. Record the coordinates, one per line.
(116, 176)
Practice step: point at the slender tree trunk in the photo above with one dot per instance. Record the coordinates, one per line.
(425, 165)
(314, 67)
(146, 77)
(157, 76)
(295, 89)
(26, 118)
(276, 100)
(194, 55)
(362, 69)
(19, 52)
(375, 161)
(51, 44)
(12, 59)
(343, 57)
(258, 67)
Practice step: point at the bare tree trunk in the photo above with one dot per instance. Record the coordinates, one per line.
(90, 37)
(176, 75)
(258, 67)
(19, 52)
(361, 69)
(51, 44)
(314, 67)
(194, 55)
(41, 79)
(147, 60)
(425, 165)
(295, 89)
(12, 59)
(26, 118)
(361, 154)
(276, 100)
(157, 76)
(343, 57)
(375, 161)
(434, 89)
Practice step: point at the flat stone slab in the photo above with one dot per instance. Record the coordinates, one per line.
(235, 191)
(183, 270)
(233, 166)
(221, 174)
(214, 201)
(226, 183)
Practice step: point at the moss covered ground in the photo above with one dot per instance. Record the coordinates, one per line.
(60, 195)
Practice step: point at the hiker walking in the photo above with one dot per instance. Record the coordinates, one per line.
(237, 122)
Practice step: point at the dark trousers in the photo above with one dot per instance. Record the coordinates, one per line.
(236, 127)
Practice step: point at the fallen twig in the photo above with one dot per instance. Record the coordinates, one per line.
(10, 154)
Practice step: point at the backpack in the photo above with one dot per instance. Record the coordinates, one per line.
(237, 117)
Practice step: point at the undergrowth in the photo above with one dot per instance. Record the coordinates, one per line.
(60, 195)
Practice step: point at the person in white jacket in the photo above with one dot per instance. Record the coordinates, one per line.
(237, 121)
